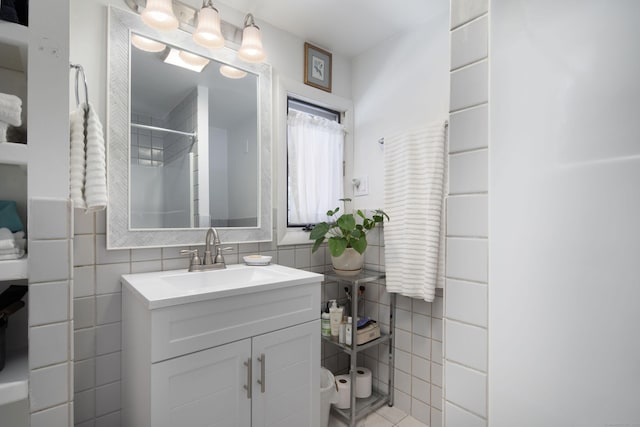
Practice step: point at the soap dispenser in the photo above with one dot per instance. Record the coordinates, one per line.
(325, 323)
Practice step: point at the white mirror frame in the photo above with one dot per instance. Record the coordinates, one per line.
(119, 234)
(286, 88)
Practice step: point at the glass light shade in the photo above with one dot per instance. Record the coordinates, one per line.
(159, 15)
(176, 57)
(193, 59)
(251, 49)
(208, 34)
(232, 72)
(146, 44)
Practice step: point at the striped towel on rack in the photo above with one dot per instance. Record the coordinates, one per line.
(414, 188)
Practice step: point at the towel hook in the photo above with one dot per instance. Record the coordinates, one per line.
(80, 69)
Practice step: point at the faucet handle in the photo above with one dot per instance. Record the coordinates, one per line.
(195, 256)
(219, 257)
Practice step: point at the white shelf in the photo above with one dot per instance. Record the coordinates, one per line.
(14, 269)
(14, 378)
(14, 34)
(13, 154)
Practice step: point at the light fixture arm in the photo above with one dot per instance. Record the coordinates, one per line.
(249, 21)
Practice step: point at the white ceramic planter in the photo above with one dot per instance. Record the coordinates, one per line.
(349, 263)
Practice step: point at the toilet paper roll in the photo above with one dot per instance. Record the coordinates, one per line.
(363, 382)
(344, 391)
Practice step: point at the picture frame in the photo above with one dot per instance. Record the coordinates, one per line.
(317, 67)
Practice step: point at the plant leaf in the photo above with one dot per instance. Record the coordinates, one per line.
(337, 245)
(319, 231)
(360, 245)
(317, 244)
(347, 222)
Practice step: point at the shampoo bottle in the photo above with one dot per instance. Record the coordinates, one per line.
(348, 331)
(335, 317)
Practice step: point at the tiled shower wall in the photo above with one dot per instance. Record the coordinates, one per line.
(466, 327)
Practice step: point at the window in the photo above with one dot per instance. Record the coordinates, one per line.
(315, 153)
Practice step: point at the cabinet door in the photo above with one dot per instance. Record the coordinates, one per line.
(289, 361)
(203, 388)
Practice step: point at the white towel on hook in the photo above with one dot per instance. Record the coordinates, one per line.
(10, 109)
(88, 171)
(77, 158)
(415, 177)
(95, 189)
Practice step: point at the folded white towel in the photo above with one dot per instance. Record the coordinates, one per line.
(414, 189)
(95, 190)
(77, 158)
(10, 109)
(7, 240)
(17, 255)
(3, 131)
(11, 251)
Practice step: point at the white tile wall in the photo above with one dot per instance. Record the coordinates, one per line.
(52, 417)
(469, 43)
(467, 216)
(469, 129)
(49, 344)
(466, 388)
(468, 172)
(458, 417)
(465, 308)
(469, 86)
(465, 10)
(467, 259)
(466, 345)
(49, 386)
(53, 260)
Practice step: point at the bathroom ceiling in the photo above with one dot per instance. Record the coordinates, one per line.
(345, 27)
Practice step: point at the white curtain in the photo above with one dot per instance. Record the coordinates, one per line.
(315, 155)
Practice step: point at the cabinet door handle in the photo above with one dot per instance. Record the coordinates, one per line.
(247, 387)
(261, 381)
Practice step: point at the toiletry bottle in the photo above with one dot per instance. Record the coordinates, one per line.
(348, 331)
(343, 329)
(325, 324)
(335, 317)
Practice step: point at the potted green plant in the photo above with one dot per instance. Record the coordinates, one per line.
(346, 237)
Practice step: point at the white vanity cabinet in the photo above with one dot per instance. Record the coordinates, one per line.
(249, 357)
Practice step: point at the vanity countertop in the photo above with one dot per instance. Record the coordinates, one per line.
(168, 288)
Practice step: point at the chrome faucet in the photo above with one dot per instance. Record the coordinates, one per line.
(208, 261)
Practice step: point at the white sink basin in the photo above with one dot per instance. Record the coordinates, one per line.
(165, 288)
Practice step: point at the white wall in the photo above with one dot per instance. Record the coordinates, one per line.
(402, 83)
(564, 213)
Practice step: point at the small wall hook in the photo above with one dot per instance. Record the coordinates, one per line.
(356, 182)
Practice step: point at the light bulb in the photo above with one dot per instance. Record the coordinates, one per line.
(251, 49)
(232, 72)
(159, 15)
(146, 44)
(208, 34)
(193, 59)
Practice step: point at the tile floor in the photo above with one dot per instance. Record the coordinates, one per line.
(386, 416)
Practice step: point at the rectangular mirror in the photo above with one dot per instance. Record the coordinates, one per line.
(187, 148)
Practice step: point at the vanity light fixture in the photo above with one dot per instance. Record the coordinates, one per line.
(251, 49)
(185, 60)
(146, 44)
(208, 33)
(159, 15)
(232, 72)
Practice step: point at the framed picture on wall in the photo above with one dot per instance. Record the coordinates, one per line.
(317, 67)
